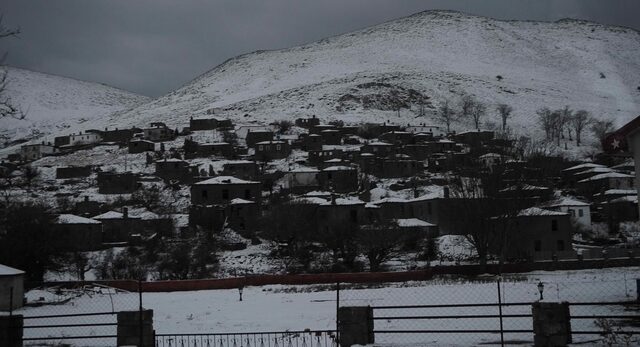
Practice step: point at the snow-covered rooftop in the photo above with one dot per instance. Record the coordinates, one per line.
(536, 211)
(413, 222)
(605, 176)
(224, 180)
(338, 168)
(238, 201)
(9, 271)
(73, 219)
(566, 201)
(583, 166)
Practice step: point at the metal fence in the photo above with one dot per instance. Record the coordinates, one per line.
(442, 311)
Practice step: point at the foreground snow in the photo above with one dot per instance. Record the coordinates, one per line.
(279, 308)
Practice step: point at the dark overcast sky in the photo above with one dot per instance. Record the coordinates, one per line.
(154, 46)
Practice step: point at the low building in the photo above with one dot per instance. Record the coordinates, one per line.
(311, 142)
(397, 168)
(223, 189)
(11, 282)
(60, 141)
(579, 211)
(87, 138)
(603, 182)
(491, 160)
(270, 150)
(158, 132)
(316, 158)
(119, 135)
(76, 233)
(209, 123)
(378, 148)
(36, 151)
(317, 129)
(255, 136)
(73, 172)
(117, 227)
(244, 169)
(307, 122)
(175, 169)
(433, 130)
(331, 137)
(417, 227)
(540, 234)
(397, 137)
(139, 146)
(474, 138)
(340, 179)
(117, 182)
(301, 180)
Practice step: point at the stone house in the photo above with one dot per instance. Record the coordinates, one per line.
(244, 169)
(317, 129)
(255, 136)
(579, 211)
(87, 138)
(175, 169)
(474, 138)
(540, 234)
(378, 148)
(301, 180)
(331, 137)
(417, 227)
(616, 211)
(397, 137)
(603, 182)
(118, 227)
(316, 158)
(238, 214)
(117, 182)
(76, 233)
(119, 135)
(397, 167)
(87, 207)
(340, 215)
(223, 189)
(340, 179)
(139, 146)
(209, 123)
(73, 172)
(60, 141)
(433, 130)
(270, 150)
(311, 142)
(158, 132)
(307, 122)
(36, 151)
(526, 191)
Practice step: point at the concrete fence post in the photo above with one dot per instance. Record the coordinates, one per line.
(551, 324)
(355, 325)
(129, 331)
(11, 328)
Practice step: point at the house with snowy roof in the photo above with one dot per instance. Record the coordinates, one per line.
(140, 146)
(117, 182)
(307, 122)
(223, 189)
(270, 150)
(339, 179)
(397, 137)
(540, 234)
(579, 210)
(157, 132)
(171, 169)
(259, 135)
(603, 182)
(118, 226)
(244, 169)
(76, 233)
(208, 123)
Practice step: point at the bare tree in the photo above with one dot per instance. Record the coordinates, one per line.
(564, 117)
(505, 113)
(7, 108)
(378, 242)
(601, 128)
(446, 114)
(580, 120)
(467, 103)
(545, 118)
(478, 112)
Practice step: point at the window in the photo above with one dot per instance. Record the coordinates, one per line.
(537, 245)
(572, 212)
(554, 225)
(581, 212)
(225, 194)
(205, 194)
(560, 245)
(247, 194)
(278, 147)
(260, 148)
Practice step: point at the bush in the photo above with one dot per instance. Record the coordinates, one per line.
(284, 126)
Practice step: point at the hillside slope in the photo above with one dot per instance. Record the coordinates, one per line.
(427, 56)
(53, 103)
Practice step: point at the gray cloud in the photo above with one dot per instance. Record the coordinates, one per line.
(154, 46)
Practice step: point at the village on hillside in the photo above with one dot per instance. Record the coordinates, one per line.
(218, 199)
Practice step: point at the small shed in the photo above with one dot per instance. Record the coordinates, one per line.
(11, 278)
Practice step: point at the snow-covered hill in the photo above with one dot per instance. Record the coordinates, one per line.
(430, 55)
(53, 103)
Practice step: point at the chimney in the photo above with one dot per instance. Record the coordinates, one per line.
(446, 192)
(333, 198)
(125, 212)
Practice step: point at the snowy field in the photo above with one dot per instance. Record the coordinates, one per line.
(280, 308)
